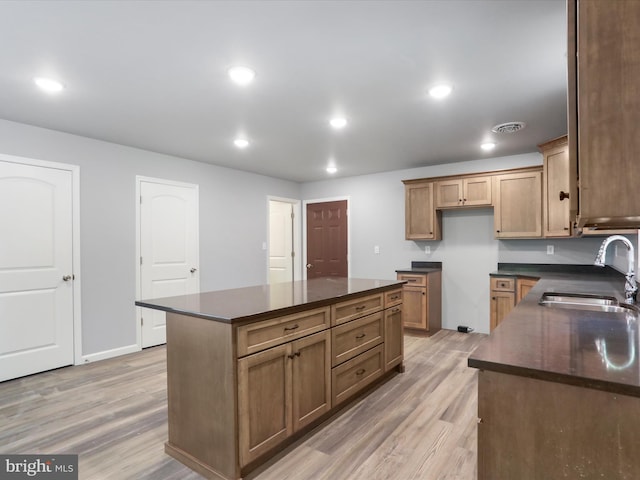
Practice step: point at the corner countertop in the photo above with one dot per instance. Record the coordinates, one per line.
(264, 301)
(577, 347)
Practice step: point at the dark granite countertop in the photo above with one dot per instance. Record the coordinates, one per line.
(264, 301)
(588, 349)
(422, 267)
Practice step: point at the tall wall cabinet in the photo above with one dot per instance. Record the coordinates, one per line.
(604, 109)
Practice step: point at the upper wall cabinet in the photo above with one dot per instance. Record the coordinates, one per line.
(559, 189)
(518, 202)
(604, 109)
(422, 222)
(466, 192)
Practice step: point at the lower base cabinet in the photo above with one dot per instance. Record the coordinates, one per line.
(530, 429)
(239, 393)
(505, 294)
(280, 391)
(422, 301)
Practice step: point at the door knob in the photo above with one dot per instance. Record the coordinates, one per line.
(193, 270)
(66, 278)
(563, 195)
(309, 265)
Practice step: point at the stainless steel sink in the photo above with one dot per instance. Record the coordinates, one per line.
(579, 301)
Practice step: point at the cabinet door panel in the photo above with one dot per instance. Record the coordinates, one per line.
(558, 191)
(608, 102)
(264, 405)
(415, 307)
(449, 193)
(518, 205)
(477, 191)
(393, 337)
(501, 304)
(311, 378)
(421, 219)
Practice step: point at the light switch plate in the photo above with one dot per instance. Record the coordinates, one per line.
(427, 250)
(376, 250)
(550, 250)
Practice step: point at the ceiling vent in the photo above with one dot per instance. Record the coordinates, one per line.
(509, 127)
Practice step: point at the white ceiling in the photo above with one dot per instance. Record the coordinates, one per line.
(152, 75)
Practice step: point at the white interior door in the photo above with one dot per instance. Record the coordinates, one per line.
(281, 256)
(36, 269)
(168, 249)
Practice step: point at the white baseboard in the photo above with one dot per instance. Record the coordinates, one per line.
(115, 352)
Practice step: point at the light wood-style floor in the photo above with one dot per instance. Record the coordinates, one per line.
(419, 425)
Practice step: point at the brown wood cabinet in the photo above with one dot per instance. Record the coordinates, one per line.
(518, 204)
(282, 390)
(240, 392)
(524, 285)
(604, 109)
(530, 429)
(559, 189)
(465, 192)
(393, 337)
(422, 221)
(422, 301)
(505, 294)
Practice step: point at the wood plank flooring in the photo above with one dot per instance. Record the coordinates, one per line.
(113, 413)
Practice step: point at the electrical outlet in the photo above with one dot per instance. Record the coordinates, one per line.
(550, 250)
(427, 250)
(376, 250)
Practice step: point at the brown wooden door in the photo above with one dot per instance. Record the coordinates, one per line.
(327, 239)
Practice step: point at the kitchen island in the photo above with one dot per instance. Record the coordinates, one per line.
(250, 370)
(559, 388)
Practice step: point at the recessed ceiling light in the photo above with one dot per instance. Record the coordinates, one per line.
(338, 122)
(332, 169)
(440, 91)
(241, 142)
(48, 84)
(487, 146)
(241, 75)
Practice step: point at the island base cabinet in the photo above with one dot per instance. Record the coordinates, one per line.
(531, 429)
(393, 338)
(280, 391)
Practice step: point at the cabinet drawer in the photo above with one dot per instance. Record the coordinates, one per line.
(258, 336)
(413, 279)
(355, 337)
(351, 309)
(392, 298)
(503, 284)
(352, 376)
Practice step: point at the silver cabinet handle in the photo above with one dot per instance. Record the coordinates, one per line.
(193, 270)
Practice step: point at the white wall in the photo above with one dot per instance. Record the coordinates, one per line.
(468, 250)
(233, 222)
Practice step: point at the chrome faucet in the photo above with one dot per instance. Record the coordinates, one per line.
(630, 287)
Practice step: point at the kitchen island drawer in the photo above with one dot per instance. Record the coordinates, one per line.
(355, 337)
(258, 336)
(392, 298)
(351, 309)
(352, 376)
